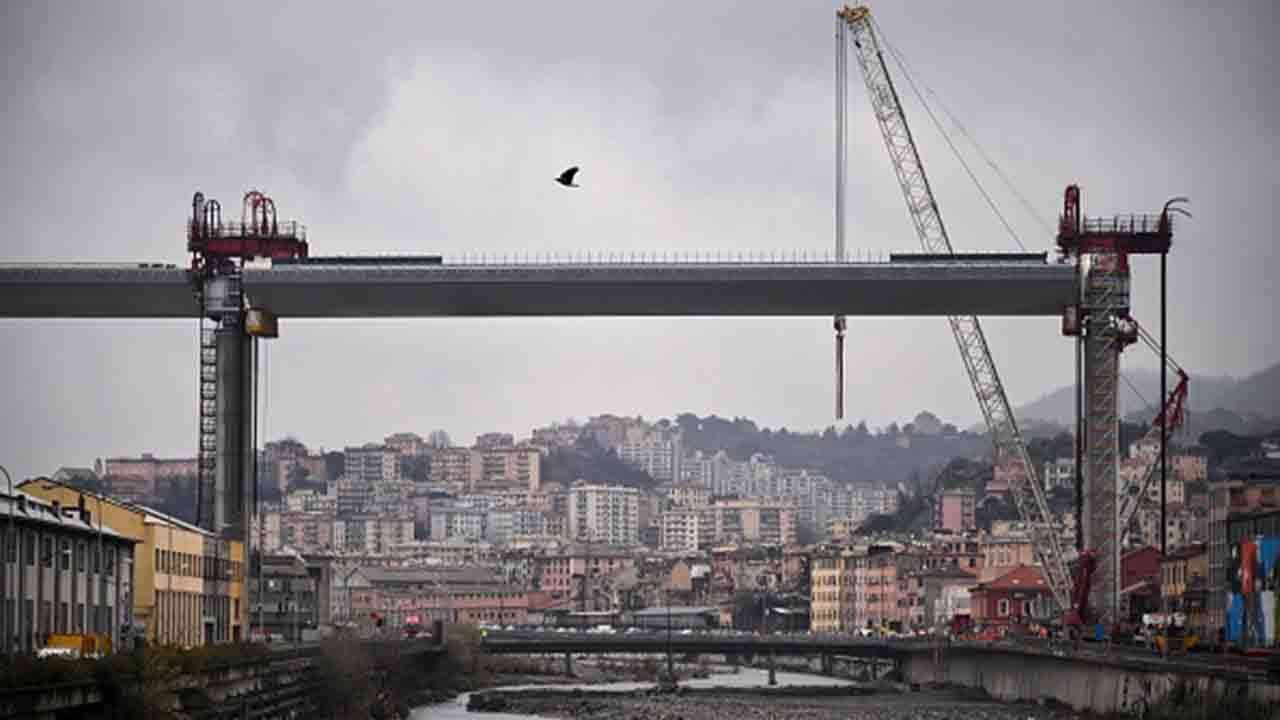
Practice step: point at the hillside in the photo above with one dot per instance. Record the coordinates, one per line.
(852, 453)
(1250, 404)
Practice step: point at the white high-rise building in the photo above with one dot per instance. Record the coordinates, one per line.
(605, 514)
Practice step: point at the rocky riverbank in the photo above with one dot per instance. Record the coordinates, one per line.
(785, 703)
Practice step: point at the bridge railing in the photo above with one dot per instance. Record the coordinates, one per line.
(677, 258)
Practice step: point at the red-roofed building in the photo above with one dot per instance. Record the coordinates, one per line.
(1139, 583)
(1019, 596)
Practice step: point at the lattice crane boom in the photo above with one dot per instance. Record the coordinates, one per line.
(1010, 449)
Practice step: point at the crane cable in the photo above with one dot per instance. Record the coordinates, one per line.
(893, 51)
(901, 62)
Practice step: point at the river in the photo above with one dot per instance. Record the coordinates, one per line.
(747, 677)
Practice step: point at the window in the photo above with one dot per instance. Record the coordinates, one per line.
(111, 562)
(64, 554)
(31, 547)
(79, 619)
(1002, 608)
(46, 555)
(80, 556)
(1026, 608)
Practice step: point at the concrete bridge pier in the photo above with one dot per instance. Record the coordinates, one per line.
(568, 664)
(773, 668)
(828, 664)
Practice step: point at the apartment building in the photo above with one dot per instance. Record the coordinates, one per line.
(144, 474)
(954, 510)
(504, 468)
(1002, 554)
(831, 590)
(372, 534)
(307, 531)
(458, 521)
(507, 525)
(684, 495)
(760, 520)
(407, 444)
(686, 529)
(604, 513)
(373, 463)
(880, 599)
(456, 466)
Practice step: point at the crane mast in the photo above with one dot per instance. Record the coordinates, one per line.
(1010, 450)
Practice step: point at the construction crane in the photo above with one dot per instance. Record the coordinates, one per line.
(854, 25)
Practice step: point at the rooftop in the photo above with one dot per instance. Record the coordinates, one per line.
(1023, 577)
(29, 508)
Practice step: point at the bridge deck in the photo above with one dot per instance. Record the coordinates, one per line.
(969, 287)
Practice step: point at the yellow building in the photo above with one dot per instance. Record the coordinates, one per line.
(188, 585)
(832, 591)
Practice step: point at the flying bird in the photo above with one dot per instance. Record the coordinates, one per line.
(566, 177)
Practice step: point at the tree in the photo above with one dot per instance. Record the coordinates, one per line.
(1224, 445)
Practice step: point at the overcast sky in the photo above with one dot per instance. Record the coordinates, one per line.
(415, 127)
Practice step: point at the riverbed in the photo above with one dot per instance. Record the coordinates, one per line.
(631, 700)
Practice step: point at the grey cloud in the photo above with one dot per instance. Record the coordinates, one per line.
(395, 127)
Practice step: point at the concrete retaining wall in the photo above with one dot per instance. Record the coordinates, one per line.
(1094, 684)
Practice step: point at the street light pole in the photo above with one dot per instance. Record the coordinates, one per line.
(11, 541)
(671, 668)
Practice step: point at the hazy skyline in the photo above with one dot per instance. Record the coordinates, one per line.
(398, 127)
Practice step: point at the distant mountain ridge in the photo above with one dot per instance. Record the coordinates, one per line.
(1240, 405)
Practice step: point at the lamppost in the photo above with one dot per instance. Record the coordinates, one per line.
(346, 584)
(671, 668)
(10, 549)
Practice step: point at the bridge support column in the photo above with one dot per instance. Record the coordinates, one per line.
(828, 664)
(1106, 301)
(568, 664)
(773, 669)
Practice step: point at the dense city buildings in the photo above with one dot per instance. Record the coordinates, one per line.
(384, 537)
